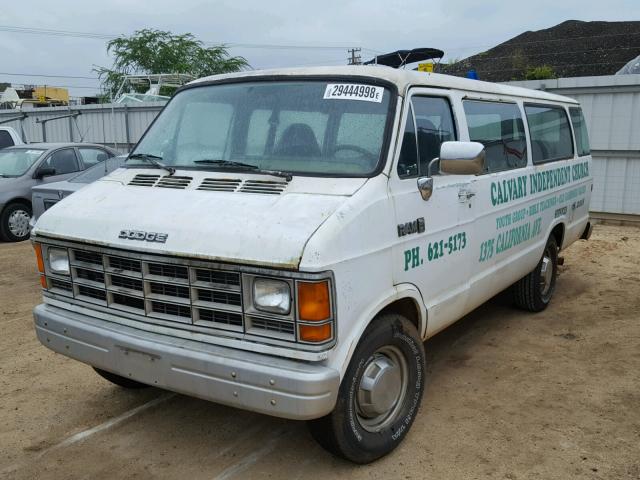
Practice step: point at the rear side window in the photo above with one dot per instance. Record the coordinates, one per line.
(5, 139)
(92, 156)
(550, 133)
(422, 140)
(580, 130)
(499, 127)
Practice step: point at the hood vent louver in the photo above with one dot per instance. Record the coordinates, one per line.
(144, 180)
(263, 186)
(220, 184)
(173, 181)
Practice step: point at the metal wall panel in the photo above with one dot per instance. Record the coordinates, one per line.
(116, 125)
(611, 106)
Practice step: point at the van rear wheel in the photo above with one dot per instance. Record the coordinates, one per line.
(379, 395)
(534, 291)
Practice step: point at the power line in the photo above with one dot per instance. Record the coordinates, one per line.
(47, 75)
(104, 36)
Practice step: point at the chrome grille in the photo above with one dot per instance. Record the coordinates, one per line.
(176, 293)
(195, 295)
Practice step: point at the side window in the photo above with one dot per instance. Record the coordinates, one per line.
(550, 133)
(5, 139)
(63, 161)
(580, 130)
(499, 127)
(429, 124)
(92, 156)
(408, 161)
(434, 123)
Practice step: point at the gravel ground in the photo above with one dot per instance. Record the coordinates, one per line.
(511, 395)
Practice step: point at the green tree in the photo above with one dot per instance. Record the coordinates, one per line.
(150, 51)
(543, 72)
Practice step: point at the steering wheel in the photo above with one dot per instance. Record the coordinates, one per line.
(355, 148)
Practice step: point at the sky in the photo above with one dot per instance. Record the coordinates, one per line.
(274, 33)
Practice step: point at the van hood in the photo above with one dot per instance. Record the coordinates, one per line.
(241, 226)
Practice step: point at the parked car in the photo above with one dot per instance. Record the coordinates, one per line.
(9, 137)
(46, 195)
(285, 241)
(25, 166)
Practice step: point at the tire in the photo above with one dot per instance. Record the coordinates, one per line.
(120, 381)
(355, 430)
(14, 222)
(534, 292)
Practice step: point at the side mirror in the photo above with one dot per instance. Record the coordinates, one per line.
(462, 158)
(44, 172)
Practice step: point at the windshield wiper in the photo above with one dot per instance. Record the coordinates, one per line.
(246, 166)
(154, 160)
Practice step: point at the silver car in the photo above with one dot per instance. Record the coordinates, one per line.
(25, 166)
(45, 196)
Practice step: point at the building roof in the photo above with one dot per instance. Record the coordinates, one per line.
(570, 49)
(400, 77)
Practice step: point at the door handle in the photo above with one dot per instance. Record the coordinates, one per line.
(464, 195)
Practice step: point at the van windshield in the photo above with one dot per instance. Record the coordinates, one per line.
(308, 127)
(15, 162)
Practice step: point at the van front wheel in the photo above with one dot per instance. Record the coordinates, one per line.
(379, 395)
(120, 381)
(534, 291)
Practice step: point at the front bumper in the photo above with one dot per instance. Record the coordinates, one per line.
(261, 383)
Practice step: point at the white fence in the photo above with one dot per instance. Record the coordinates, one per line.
(116, 125)
(611, 106)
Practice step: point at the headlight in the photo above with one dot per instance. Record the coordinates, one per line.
(58, 261)
(271, 295)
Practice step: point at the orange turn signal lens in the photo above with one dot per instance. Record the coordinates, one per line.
(314, 304)
(38, 249)
(315, 333)
(43, 281)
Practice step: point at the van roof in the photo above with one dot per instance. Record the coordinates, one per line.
(401, 78)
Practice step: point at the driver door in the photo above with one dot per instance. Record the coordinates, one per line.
(433, 247)
(64, 162)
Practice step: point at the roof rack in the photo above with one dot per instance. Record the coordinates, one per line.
(400, 58)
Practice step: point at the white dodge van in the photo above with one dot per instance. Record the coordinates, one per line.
(284, 241)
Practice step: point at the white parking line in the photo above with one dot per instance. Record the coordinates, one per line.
(99, 428)
(252, 458)
(78, 437)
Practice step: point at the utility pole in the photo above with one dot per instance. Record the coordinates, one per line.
(355, 58)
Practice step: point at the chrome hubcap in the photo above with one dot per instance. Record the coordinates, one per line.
(382, 389)
(546, 274)
(19, 223)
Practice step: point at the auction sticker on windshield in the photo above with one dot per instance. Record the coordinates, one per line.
(354, 91)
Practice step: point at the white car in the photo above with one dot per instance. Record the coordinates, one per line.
(285, 241)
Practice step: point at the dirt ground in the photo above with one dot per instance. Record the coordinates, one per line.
(511, 396)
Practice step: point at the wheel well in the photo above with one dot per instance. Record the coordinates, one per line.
(558, 233)
(19, 201)
(406, 307)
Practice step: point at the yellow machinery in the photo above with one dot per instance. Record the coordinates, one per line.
(50, 96)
